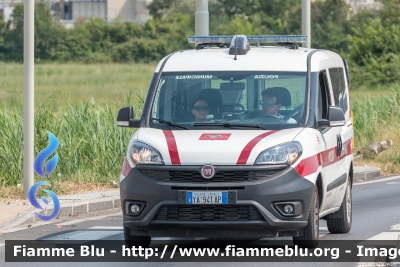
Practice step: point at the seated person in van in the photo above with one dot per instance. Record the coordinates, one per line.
(200, 109)
(271, 104)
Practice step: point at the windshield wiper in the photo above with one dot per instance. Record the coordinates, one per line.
(230, 125)
(170, 123)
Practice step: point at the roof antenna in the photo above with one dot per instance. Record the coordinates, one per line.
(258, 44)
(237, 29)
(235, 58)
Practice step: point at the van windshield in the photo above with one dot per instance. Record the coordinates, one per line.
(240, 100)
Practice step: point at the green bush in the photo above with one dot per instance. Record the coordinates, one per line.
(99, 41)
(374, 53)
(95, 40)
(369, 39)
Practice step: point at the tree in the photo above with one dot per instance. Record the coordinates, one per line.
(329, 24)
(271, 8)
(48, 35)
(13, 38)
(390, 12)
(375, 52)
(158, 8)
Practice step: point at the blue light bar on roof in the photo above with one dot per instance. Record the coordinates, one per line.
(251, 39)
(209, 39)
(277, 39)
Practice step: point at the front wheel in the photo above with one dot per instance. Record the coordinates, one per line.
(340, 221)
(310, 234)
(134, 240)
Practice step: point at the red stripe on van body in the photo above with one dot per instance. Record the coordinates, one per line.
(172, 148)
(244, 155)
(126, 168)
(310, 165)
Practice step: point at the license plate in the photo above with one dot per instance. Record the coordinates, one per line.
(209, 197)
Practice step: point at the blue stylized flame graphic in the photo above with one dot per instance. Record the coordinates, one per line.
(35, 203)
(44, 154)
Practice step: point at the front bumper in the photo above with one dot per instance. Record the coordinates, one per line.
(260, 195)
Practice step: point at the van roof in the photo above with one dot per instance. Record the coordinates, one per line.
(264, 58)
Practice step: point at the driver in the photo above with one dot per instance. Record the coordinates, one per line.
(271, 104)
(200, 109)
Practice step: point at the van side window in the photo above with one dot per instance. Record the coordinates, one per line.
(339, 88)
(323, 96)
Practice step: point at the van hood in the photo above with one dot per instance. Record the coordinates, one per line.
(216, 147)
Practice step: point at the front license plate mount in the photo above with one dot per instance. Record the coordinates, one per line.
(183, 197)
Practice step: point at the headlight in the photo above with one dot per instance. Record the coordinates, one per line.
(144, 154)
(286, 153)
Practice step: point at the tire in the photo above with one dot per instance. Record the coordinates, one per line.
(132, 240)
(340, 221)
(310, 234)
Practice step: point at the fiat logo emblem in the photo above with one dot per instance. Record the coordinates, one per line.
(208, 171)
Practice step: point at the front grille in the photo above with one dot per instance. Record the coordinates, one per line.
(220, 176)
(208, 213)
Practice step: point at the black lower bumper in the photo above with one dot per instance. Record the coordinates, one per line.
(259, 197)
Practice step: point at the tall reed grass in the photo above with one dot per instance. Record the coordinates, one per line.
(376, 116)
(91, 146)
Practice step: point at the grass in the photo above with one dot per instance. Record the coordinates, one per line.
(91, 147)
(377, 114)
(377, 118)
(15, 194)
(65, 105)
(58, 84)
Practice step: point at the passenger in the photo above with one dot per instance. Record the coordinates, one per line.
(271, 104)
(200, 109)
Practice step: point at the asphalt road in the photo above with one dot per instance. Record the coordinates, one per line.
(376, 215)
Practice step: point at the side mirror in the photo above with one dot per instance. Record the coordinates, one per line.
(125, 118)
(335, 118)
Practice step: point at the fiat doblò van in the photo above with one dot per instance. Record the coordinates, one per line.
(240, 141)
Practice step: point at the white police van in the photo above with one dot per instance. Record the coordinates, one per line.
(241, 141)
